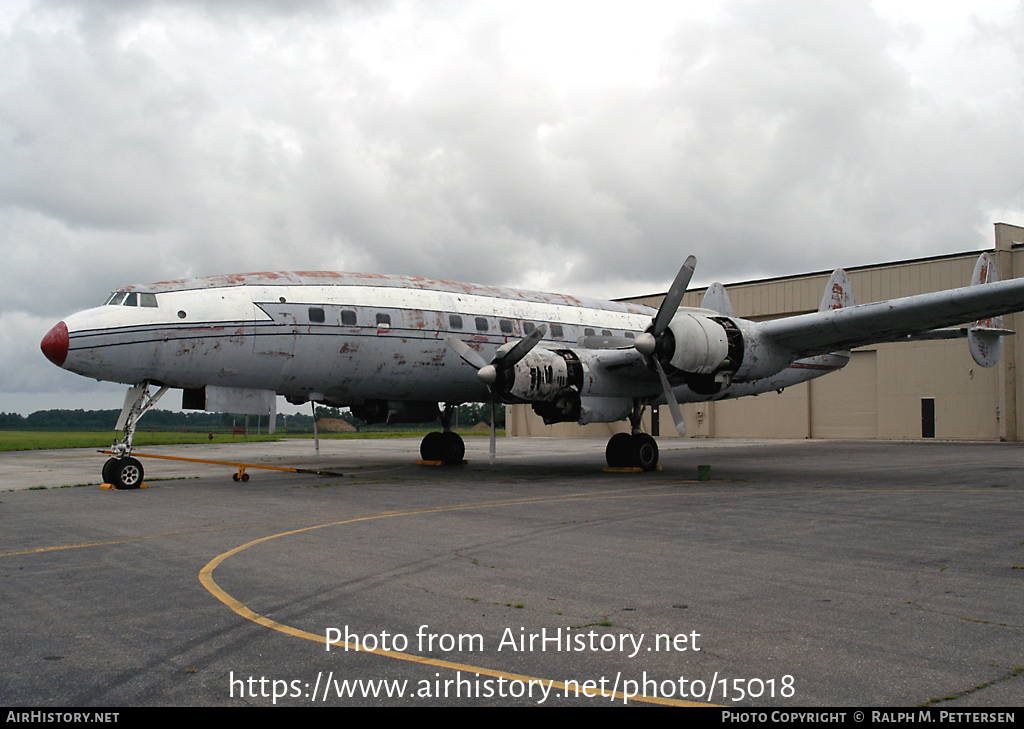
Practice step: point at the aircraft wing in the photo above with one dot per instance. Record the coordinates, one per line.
(894, 320)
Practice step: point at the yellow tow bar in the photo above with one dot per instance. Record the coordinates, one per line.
(241, 475)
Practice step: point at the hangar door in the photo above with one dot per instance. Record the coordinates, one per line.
(844, 404)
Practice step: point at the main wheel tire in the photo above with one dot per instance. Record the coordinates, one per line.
(645, 452)
(453, 449)
(127, 474)
(430, 446)
(619, 450)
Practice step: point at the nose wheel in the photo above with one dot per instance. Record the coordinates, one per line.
(123, 473)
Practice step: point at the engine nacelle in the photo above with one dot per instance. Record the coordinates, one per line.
(549, 379)
(710, 352)
(543, 375)
(701, 344)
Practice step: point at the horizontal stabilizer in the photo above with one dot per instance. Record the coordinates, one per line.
(954, 333)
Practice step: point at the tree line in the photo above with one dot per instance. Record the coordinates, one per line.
(467, 416)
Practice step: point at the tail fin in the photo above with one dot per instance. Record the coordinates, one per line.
(838, 292)
(985, 337)
(716, 299)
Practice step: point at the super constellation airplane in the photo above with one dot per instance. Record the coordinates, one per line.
(393, 347)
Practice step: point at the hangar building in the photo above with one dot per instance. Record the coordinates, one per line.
(908, 390)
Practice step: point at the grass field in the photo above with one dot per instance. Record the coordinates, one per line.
(28, 440)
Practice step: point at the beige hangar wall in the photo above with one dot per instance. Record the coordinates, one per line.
(879, 393)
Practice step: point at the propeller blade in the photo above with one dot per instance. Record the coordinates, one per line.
(674, 296)
(469, 355)
(605, 342)
(670, 399)
(494, 432)
(521, 348)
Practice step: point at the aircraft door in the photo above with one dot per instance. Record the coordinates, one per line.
(275, 330)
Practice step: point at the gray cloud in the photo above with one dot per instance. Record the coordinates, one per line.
(141, 141)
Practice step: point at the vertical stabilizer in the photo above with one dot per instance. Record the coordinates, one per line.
(716, 299)
(838, 292)
(984, 337)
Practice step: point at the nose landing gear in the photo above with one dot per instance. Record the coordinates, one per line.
(123, 473)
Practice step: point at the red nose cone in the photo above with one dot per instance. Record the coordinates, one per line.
(55, 344)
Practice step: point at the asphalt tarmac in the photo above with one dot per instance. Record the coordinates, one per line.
(803, 574)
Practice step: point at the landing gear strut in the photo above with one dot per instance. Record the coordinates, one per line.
(446, 446)
(122, 471)
(635, 449)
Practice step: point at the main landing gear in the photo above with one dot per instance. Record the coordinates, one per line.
(634, 449)
(445, 446)
(122, 471)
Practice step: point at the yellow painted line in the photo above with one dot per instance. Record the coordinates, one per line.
(630, 493)
(206, 578)
(72, 546)
(171, 535)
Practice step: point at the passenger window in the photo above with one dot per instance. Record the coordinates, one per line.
(148, 300)
(131, 300)
(629, 335)
(588, 332)
(316, 315)
(506, 326)
(605, 333)
(481, 324)
(348, 318)
(556, 331)
(455, 321)
(528, 327)
(384, 320)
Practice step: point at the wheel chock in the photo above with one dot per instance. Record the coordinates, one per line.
(439, 463)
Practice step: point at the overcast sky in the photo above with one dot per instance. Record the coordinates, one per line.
(579, 147)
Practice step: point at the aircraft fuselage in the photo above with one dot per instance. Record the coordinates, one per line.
(346, 337)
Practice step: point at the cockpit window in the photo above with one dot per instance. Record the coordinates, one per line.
(125, 298)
